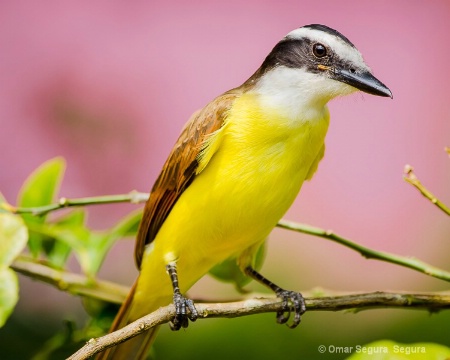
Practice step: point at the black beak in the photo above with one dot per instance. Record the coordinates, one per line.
(363, 81)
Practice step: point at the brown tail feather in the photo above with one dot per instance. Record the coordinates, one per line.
(135, 348)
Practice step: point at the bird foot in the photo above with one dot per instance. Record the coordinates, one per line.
(292, 302)
(182, 316)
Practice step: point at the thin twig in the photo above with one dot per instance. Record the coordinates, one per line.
(431, 301)
(73, 283)
(412, 179)
(133, 197)
(368, 253)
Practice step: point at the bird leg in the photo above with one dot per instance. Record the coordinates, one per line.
(180, 302)
(292, 301)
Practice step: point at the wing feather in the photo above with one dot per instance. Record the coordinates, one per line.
(181, 168)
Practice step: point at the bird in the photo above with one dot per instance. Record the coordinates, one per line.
(234, 171)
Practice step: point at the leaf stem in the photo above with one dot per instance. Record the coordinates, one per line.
(411, 178)
(368, 253)
(133, 197)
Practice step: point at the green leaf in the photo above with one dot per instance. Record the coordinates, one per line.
(59, 254)
(89, 247)
(76, 217)
(75, 237)
(93, 253)
(9, 293)
(128, 226)
(99, 243)
(58, 251)
(13, 238)
(390, 350)
(2, 202)
(43, 183)
(39, 189)
(229, 271)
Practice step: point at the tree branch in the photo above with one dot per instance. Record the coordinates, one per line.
(133, 197)
(73, 283)
(431, 301)
(412, 179)
(368, 253)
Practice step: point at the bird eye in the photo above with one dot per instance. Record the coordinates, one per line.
(319, 50)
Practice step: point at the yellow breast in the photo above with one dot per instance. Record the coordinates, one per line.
(248, 184)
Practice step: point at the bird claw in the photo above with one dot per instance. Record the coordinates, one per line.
(182, 317)
(292, 302)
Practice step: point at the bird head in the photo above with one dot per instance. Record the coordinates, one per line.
(320, 62)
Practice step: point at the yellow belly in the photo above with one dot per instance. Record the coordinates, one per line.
(234, 203)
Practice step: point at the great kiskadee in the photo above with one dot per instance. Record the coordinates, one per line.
(236, 168)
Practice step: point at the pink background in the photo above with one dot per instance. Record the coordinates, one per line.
(108, 85)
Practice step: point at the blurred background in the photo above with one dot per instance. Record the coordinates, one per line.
(108, 86)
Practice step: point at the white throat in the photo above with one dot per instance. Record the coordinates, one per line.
(297, 94)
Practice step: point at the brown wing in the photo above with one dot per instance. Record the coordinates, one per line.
(180, 169)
